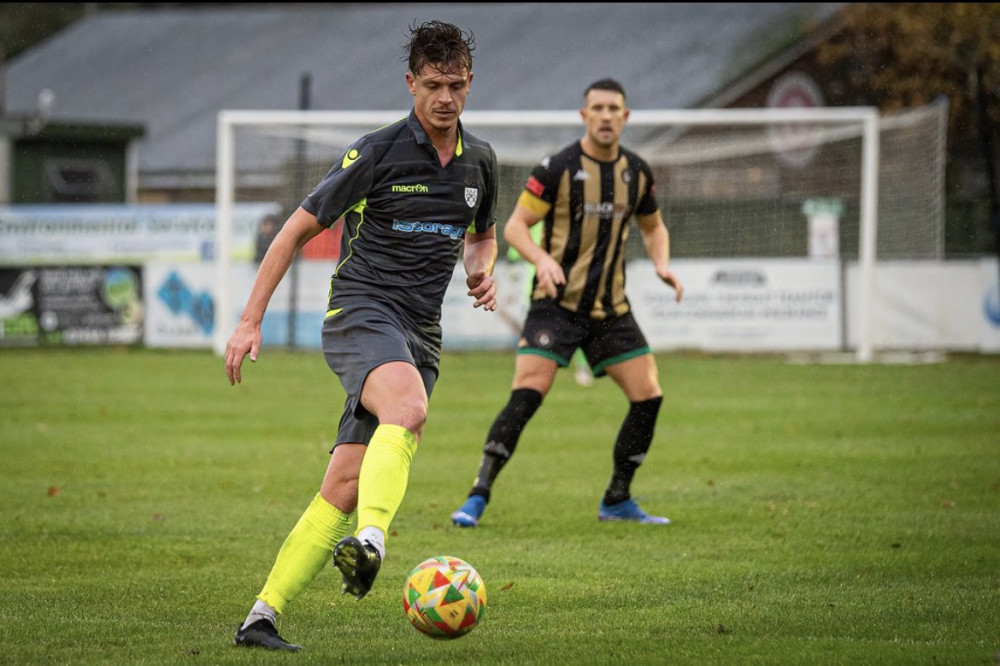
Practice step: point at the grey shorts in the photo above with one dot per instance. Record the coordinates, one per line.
(359, 338)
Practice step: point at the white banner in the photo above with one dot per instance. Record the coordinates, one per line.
(738, 305)
(465, 327)
(181, 301)
(179, 304)
(928, 305)
(766, 305)
(754, 305)
(989, 305)
(121, 233)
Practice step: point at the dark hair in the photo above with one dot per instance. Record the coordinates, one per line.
(443, 45)
(605, 84)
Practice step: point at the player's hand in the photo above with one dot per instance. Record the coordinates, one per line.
(668, 276)
(483, 289)
(550, 275)
(245, 340)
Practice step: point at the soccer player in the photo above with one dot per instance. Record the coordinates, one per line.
(585, 196)
(412, 194)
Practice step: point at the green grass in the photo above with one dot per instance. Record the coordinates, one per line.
(822, 514)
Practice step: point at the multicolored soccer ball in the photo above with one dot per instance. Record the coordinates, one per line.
(444, 597)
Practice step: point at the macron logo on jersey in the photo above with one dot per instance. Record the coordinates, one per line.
(411, 189)
(535, 186)
(350, 158)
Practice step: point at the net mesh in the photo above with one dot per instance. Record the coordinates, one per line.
(725, 191)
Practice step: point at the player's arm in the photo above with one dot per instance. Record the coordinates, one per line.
(527, 213)
(300, 227)
(656, 238)
(480, 258)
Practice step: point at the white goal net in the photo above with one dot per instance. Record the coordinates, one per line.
(837, 185)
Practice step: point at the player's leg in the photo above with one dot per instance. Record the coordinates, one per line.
(619, 349)
(637, 378)
(548, 339)
(396, 393)
(376, 357)
(533, 378)
(306, 549)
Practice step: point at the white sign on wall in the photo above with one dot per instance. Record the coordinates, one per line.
(740, 305)
(117, 233)
(179, 304)
(766, 305)
(466, 327)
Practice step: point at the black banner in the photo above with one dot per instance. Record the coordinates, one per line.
(71, 305)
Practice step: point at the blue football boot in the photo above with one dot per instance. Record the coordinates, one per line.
(628, 510)
(469, 513)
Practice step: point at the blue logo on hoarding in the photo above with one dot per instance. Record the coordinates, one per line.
(180, 300)
(991, 305)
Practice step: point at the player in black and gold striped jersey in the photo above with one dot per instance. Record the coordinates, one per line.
(585, 196)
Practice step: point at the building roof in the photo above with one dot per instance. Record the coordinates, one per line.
(173, 70)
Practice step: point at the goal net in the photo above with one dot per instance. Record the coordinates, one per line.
(792, 190)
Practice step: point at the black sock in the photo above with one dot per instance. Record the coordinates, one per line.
(634, 440)
(502, 438)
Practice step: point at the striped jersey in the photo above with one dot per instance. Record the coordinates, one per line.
(586, 206)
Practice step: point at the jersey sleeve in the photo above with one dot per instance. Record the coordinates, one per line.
(486, 217)
(540, 190)
(345, 186)
(647, 198)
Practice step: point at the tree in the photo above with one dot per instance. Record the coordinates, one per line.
(899, 55)
(24, 24)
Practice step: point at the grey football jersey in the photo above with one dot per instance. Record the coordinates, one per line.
(405, 216)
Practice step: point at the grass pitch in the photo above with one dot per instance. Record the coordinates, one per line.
(822, 514)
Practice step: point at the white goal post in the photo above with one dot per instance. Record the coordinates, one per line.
(864, 121)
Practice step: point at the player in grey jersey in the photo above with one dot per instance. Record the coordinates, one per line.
(412, 195)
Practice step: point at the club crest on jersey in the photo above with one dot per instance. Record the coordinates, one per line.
(471, 196)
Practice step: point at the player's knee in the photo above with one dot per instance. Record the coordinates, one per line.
(409, 413)
(648, 408)
(642, 388)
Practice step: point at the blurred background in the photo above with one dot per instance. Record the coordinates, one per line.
(109, 114)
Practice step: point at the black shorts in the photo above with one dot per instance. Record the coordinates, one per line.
(554, 332)
(360, 337)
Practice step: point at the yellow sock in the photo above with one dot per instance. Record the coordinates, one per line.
(384, 473)
(307, 549)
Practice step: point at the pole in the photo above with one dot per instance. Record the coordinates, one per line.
(868, 236)
(298, 183)
(224, 165)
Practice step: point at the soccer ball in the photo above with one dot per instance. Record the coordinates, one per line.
(444, 597)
